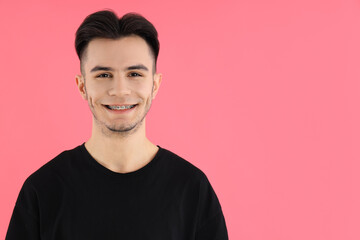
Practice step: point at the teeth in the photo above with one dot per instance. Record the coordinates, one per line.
(120, 107)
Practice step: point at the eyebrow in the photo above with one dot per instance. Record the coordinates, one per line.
(101, 68)
(133, 67)
(137, 67)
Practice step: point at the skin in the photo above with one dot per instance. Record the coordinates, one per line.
(118, 141)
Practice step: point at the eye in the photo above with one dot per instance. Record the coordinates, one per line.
(104, 75)
(135, 74)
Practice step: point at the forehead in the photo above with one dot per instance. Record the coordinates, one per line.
(118, 52)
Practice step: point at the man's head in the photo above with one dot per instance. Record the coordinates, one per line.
(118, 70)
(105, 24)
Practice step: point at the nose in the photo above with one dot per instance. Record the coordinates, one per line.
(119, 86)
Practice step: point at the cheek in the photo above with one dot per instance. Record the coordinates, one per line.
(94, 91)
(92, 97)
(91, 102)
(145, 89)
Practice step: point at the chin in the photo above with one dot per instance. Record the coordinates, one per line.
(123, 128)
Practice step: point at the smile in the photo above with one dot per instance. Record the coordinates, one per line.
(122, 107)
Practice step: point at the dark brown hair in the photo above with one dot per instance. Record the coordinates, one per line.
(106, 24)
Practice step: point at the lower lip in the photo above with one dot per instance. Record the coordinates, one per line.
(122, 111)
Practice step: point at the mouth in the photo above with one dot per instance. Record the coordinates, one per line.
(120, 107)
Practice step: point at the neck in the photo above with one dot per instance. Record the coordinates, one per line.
(121, 153)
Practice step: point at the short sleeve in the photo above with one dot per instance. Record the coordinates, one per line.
(211, 222)
(24, 222)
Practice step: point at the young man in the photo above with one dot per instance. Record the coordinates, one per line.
(118, 184)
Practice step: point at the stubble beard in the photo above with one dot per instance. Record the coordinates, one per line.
(119, 131)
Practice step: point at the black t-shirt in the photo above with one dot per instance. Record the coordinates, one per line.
(75, 197)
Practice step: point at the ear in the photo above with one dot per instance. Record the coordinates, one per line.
(157, 82)
(80, 82)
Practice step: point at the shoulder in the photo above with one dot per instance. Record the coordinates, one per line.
(177, 162)
(180, 167)
(209, 211)
(56, 168)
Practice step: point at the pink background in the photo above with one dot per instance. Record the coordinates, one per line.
(262, 95)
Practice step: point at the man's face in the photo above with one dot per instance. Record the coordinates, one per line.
(118, 83)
